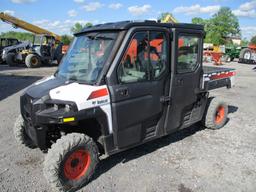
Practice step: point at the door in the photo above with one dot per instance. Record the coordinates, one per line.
(187, 72)
(142, 75)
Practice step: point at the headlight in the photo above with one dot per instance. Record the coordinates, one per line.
(58, 106)
(66, 107)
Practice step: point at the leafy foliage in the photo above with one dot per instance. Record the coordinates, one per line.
(66, 39)
(253, 40)
(22, 36)
(25, 36)
(199, 20)
(78, 27)
(244, 43)
(222, 24)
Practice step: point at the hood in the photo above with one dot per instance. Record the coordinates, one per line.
(21, 45)
(44, 86)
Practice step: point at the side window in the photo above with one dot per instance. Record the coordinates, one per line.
(145, 58)
(188, 53)
(158, 53)
(134, 63)
(4, 42)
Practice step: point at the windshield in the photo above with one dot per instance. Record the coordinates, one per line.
(37, 40)
(86, 57)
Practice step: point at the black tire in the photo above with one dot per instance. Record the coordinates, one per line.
(20, 134)
(10, 60)
(63, 160)
(245, 54)
(33, 61)
(215, 115)
(226, 58)
(1, 60)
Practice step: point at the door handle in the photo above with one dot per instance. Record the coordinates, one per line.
(179, 82)
(123, 91)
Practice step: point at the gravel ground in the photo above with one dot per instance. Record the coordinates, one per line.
(194, 159)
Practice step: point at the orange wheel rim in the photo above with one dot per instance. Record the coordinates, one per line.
(220, 114)
(77, 164)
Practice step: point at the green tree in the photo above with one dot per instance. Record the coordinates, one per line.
(88, 24)
(78, 27)
(222, 24)
(253, 40)
(199, 20)
(244, 42)
(22, 36)
(66, 39)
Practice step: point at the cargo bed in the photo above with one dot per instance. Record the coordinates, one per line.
(217, 77)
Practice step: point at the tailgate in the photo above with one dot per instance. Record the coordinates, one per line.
(217, 77)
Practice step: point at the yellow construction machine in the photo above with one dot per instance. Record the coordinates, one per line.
(46, 47)
(169, 19)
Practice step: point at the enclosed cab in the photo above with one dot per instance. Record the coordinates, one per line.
(120, 85)
(7, 42)
(44, 49)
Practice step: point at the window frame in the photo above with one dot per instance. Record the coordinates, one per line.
(166, 32)
(197, 35)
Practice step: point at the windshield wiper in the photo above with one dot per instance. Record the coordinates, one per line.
(98, 36)
(104, 38)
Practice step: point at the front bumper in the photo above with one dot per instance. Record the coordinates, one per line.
(39, 115)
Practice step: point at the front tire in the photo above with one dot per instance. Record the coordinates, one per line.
(20, 134)
(33, 61)
(10, 60)
(215, 115)
(71, 162)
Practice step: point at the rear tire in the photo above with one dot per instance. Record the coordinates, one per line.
(20, 134)
(71, 162)
(10, 60)
(32, 61)
(245, 54)
(215, 115)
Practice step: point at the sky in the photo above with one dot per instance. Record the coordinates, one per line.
(60, 15)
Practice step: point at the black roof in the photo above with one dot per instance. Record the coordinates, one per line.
(124, 25)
